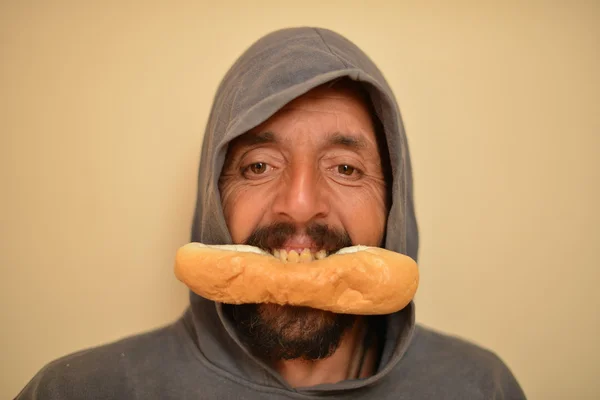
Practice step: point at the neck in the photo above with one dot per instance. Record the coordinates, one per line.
(350, 361)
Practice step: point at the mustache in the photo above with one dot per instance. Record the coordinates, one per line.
(273, 236)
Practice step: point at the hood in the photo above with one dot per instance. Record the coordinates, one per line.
(273, 71)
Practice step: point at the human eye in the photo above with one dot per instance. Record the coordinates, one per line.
(348, 170)
(256, 169)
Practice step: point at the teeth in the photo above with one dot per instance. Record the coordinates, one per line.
(304, 256)
(283, 256)
(293, 257)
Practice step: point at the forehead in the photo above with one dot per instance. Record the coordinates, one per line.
(345, 100)
(331, 115)
(328, 110)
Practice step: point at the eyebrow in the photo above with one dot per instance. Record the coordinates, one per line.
(336, 139)
(251, 139)
(350, 141)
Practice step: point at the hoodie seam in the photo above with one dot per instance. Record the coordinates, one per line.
(330, 50)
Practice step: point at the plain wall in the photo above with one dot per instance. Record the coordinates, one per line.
(102, 111)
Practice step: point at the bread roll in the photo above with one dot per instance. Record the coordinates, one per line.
(356, 280)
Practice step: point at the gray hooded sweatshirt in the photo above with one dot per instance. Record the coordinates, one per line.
(200, 356)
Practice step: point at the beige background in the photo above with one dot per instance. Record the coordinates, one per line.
(102, 109)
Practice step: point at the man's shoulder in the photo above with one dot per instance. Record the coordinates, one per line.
(458, 364)
(108, 369)
(442, 346)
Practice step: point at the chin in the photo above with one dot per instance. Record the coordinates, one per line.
(295, 323)
(275, 332)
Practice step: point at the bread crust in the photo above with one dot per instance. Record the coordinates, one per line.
(360, 280)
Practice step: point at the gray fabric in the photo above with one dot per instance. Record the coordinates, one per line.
(200, 355)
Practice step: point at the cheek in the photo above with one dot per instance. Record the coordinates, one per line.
(243, 208)
(363, 213)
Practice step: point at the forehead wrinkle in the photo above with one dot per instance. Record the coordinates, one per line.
(299, 107)
(327, 96)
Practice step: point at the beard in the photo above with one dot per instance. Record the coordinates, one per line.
(274, 332)
(282, 332)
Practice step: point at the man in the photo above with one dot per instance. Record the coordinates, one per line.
(304, 149)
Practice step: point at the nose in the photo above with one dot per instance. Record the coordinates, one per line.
(301, 197)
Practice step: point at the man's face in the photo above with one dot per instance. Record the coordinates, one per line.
(310, 177)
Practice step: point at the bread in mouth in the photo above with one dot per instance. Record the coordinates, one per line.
(361, 280)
